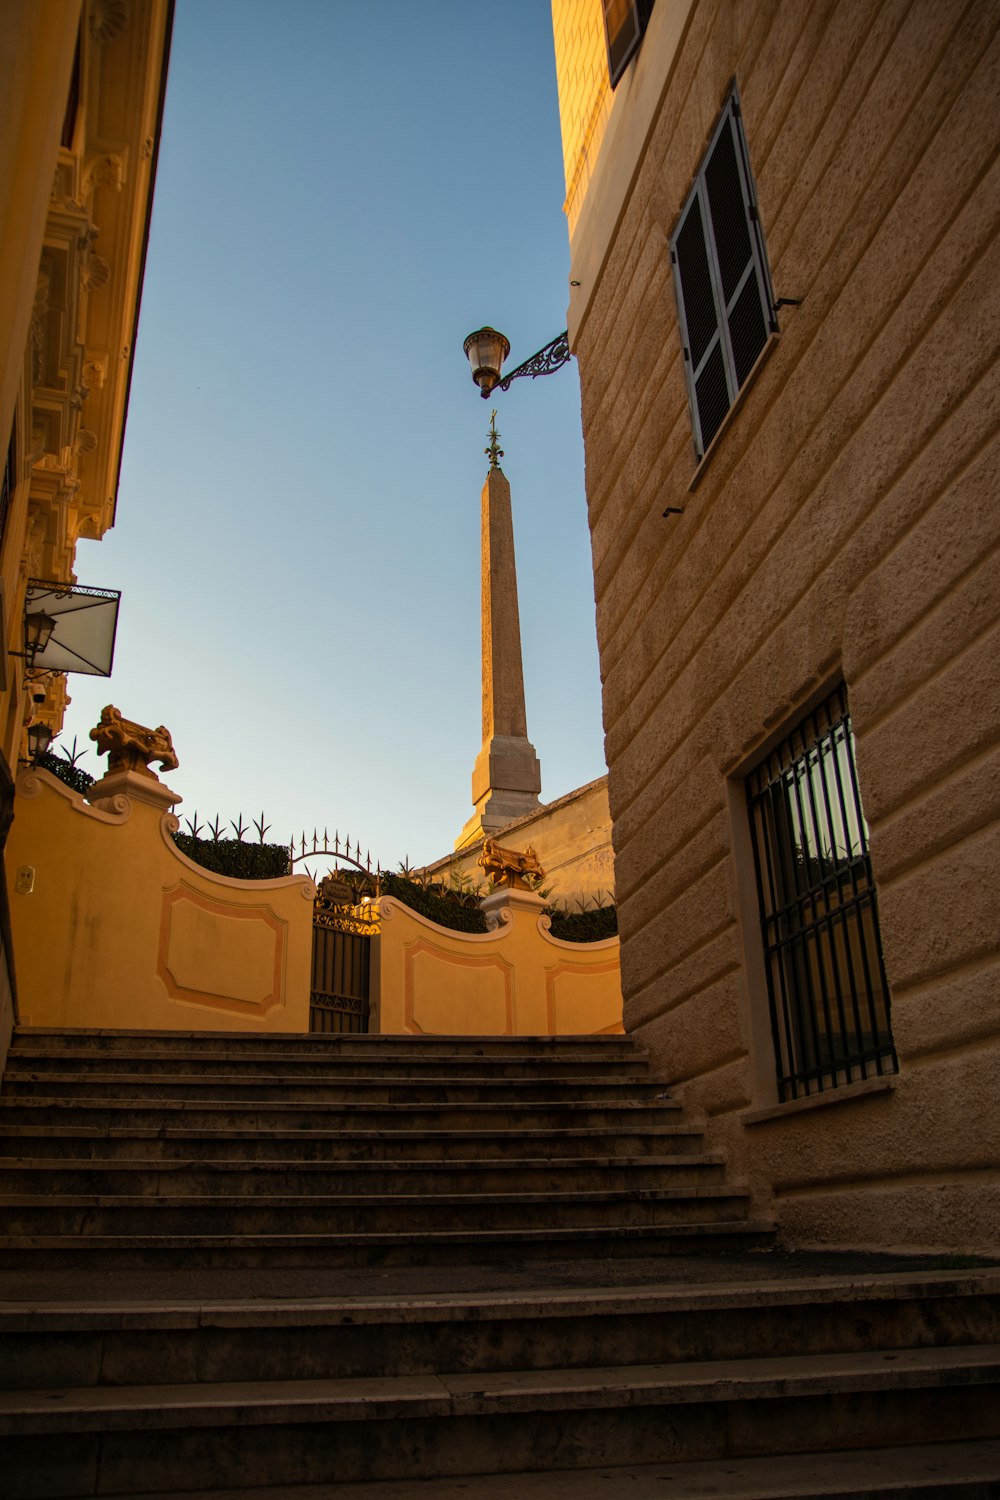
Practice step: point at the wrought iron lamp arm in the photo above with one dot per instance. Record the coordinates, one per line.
(554, 355)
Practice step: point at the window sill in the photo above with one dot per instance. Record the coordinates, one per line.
(842, 1095)
(773, 340)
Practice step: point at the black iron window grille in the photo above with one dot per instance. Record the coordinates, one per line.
(827, 989)
(624, 24)
(722, 281)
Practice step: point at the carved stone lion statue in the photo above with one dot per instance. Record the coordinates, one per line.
(509, 868)
(130, 746)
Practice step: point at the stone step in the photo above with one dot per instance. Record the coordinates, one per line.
(122, 1343)
(197, 1176)
(127, 1440)
(232, 1114)
(69, 1252)
(268, 1214)
(281, 1060)
(234, 1043)
(309, 1088)
(925, 1471)
(172, 1142)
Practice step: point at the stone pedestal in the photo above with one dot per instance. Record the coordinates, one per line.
(502, 905)
(135, 786)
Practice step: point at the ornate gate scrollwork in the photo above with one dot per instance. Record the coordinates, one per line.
(344, 924)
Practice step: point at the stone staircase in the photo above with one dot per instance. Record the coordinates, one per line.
(376, 1266)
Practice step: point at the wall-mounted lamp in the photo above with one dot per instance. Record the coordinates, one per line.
(39, 737)
(38, 628)
(486, 350)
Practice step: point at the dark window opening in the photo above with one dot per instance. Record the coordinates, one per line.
(8, 481)
(827, 989)
(72, 102)
(624, 24)
(721, 278)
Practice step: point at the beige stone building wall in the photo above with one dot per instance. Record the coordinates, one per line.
(843, 527)
(572, 839)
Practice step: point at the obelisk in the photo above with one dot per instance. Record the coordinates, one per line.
(507, 777)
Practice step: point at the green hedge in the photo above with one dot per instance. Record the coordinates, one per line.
(235, 858)
(585, 926)
(446, 910)
(59, 766)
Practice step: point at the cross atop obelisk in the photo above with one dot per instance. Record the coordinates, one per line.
(507, 778)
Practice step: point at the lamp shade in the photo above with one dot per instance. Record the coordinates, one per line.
(486, 350)
(38, 628)
(40, 737)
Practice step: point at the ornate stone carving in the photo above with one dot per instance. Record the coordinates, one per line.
(107, 20)
(130, 746)
(104, 171)
(39, 314)
(95, 373)
(510, 869)
(96, 273)
(86, 441)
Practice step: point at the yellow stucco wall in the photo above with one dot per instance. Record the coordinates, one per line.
(514, 981)
(584, 92)
(114, 927)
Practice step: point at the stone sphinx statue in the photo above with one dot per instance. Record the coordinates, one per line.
(510, 868)
(130, 746)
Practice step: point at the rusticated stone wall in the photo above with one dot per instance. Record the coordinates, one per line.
(844, 526)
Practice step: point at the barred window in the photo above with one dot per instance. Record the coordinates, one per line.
(624, 24)
(829, 1000)
(721, 277)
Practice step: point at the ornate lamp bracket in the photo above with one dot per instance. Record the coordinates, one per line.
(549, 359)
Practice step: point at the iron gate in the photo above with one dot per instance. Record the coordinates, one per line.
(340, 999)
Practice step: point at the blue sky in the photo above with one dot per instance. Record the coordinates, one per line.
(344, 192)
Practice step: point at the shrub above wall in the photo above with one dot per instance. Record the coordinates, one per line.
(233, 857)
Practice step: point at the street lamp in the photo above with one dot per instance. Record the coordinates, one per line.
(40, 737)
(38, 628)
(486, 350)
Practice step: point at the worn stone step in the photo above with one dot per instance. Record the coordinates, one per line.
(197, 1176)
(413, 1248)
(322, 1338)
(176, 1141)
(355, 1046)
(308, 1088)
(925, 1471)
(224, 1114)
(281, 1060)
(268, 1214)
(169, 1436)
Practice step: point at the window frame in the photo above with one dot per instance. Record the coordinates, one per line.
(829, 1003)
(731, 120)
(636, 11)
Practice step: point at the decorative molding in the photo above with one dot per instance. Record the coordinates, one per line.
(576, 971)
(390, 906)
(602, 945)
(179, 960)
(105, 171)
(31, 783)
(481, 962)
(95, 274)
(107, 20)
(170, 824)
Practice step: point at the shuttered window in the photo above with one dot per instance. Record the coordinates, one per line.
(724, 298)
(624, 23)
